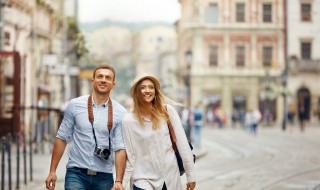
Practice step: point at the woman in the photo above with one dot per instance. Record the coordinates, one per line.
(151, 161)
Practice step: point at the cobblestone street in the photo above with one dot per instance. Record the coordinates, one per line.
(272, 160)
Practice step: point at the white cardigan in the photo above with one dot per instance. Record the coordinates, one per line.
(150, 158)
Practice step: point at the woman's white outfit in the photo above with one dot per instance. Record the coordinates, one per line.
(150, 158)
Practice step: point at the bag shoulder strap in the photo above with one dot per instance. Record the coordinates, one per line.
(173, 137)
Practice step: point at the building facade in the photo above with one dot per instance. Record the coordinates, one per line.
(231, 55)
(35, 29)
(304, 58)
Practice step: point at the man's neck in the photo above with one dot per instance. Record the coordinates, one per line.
(100, 98)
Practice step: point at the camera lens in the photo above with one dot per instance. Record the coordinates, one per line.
(105, 154)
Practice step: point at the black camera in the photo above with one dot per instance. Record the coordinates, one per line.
(102, 153)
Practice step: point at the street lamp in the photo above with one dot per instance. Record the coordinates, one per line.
(284, 79)
(284, 75)
(188, 59)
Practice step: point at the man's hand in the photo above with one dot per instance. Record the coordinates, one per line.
(191, 185)
(51, 181)
(117, 186)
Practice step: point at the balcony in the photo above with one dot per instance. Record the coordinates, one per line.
(304, 65)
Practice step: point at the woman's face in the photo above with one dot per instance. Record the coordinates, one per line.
(148, 90)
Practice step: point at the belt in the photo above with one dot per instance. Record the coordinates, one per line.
(88, 171)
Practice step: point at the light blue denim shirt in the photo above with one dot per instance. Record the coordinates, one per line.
(75, 125)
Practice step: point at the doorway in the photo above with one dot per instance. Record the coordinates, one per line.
(304, 103)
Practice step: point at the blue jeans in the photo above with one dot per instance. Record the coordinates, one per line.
(254, 128)
(79, 180)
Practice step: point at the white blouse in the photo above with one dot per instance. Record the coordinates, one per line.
(151, 161)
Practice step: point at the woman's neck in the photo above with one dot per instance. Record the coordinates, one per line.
(146, 111)
(99, 99)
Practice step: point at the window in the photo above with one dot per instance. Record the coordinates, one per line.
(267, 12)
(7, 38)
(305, 50)
(240, 56)
(212, 13)
(240, 12)
(266, 56)
(213, 55)
(305, 12)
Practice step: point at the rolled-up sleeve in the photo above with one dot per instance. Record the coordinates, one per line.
(67, 125)
(117, 142)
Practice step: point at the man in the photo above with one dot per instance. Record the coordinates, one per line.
(96, 135)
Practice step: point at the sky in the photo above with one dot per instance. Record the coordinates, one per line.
(129, 10)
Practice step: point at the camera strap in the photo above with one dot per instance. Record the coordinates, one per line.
(91, 118)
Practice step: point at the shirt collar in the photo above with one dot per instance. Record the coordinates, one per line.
(104, 104)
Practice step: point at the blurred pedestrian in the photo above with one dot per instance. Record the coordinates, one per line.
(291, 114)
(151, 161)
(209, 116)
(253, 118)
(220, 117)
(94, 122)
(185, 120)
(302, 120)
(234, 118)
(242, 114)
(248, 120)
(267, 117)
(197, 126)
(256, 117)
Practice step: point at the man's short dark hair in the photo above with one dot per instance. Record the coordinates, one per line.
(104, 67)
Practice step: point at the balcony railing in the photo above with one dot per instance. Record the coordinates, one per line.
(304, 65)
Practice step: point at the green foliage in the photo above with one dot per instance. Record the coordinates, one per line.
(43, 4)
(81, 48)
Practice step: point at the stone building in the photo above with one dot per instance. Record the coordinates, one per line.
(231, 55)
(304, 58)
(35, 30)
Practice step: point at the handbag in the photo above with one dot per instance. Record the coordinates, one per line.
(174, 146)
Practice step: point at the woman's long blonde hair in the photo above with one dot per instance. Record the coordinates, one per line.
(156, 108)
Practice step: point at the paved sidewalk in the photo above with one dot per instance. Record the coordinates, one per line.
(41, 166)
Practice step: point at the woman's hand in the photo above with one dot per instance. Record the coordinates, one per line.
(191, 185)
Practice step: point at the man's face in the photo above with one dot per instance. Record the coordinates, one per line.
(103, 81)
